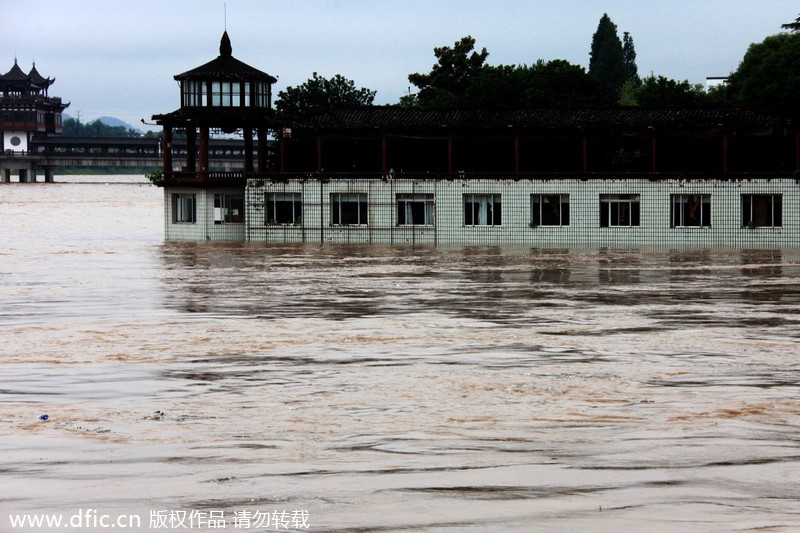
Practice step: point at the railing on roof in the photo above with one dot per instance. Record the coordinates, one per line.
(188, 178)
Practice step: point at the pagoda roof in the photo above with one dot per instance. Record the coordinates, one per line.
(15, 74)
(226, 67)
(38, 79)
(238, 117)
(605, 119)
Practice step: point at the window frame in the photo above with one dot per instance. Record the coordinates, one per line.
(339, 199)
(614, 213)
(473, 208)
(678, 203)
(275, 210)
(408, 203)
(537, 208)
(223, 208)
(748, 219)
(180, 213)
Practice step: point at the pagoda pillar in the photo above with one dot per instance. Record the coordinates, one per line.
(262, 149)
(283, 152)
(585, 163)
(166, 150)
(654, 155)
(384, 154)
(450, 144)
(724, 153)
(248, 149)
(191, 149)
(797, 151)
(204, 149)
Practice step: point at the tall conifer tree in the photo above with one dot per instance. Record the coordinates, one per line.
(629, 57)
(606, 63)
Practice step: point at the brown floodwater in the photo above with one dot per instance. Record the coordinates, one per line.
(382, 388)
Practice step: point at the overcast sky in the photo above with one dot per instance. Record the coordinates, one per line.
(118, 58)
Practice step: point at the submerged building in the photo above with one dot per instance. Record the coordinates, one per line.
(535, 177)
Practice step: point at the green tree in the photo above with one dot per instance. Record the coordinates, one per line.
(320, 93)
(664, 92)
(607, 63)
(559, 83)
(767, 80)
(792, 26)
(74, 128)
(629, 59)
(447, 82)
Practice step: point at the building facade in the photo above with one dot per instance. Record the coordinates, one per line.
(26, 110)
(628, 177)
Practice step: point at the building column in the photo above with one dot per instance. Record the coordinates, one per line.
(585, 164)
(23, 175)
(516, 153)
(262, 149)
(7, 175)
(248, 149)
(283, 152)
(384, 155)
(450, 143)
(319, 154)
(191, 149)
(724, 153)
(654, 155)
(204, 149)
(797, 151)
(166, 150)
(48, 174)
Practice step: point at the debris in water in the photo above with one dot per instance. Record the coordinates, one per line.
(43, 417)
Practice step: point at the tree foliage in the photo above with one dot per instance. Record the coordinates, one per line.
(74, 128)
(455, 70)
(768, 80)
(607, 62)
(664, 92)
(792, 26)
(629, 59)
(461, 79)
(320, 93)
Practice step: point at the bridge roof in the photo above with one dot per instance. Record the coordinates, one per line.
(226, 67)
(605, 120)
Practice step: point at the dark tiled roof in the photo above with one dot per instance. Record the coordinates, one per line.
(564, 119)
(38, 79)
(226, 67)
(15, 74)
(222, 116)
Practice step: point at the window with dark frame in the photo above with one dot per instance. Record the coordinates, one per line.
(349, 209)
(690, 211)
(619, 210)
(228, 209)
(482, 210)
(184, 209)
(415, 209)
(762, 210)
(549, 210)
(283, 209)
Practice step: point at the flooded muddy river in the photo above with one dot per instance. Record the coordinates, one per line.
(376, 388)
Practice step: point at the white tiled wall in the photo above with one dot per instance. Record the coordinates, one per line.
(584, 229)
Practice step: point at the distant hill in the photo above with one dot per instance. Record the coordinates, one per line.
(108, 121)
(114, 121)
